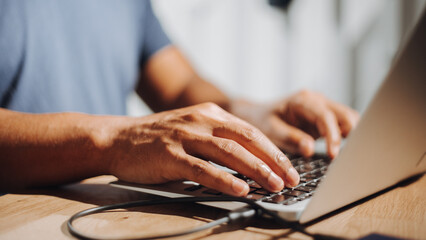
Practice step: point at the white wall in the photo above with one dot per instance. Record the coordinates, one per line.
(253, 50)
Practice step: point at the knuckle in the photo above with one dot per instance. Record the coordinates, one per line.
(171, 151)
(229, 147)
(305, 92)
(251, 134)
(175, 133)
(261, 169)
(162, 141)
(198, 170)
(281, 159)
(193, 116)
(179, 133)
(204, 111)
(219, 179)
(313, 96)
(211, 106)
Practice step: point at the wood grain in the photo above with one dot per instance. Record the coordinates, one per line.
(42, 214)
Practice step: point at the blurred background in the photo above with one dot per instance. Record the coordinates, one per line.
(266, 49)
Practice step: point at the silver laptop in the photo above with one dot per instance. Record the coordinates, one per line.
(388, 145)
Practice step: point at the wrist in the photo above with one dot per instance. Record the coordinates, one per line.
(251, 112)
(102, 132)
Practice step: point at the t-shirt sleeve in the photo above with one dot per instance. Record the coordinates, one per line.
(154, 37)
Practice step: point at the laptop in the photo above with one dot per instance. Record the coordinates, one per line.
(387, 146)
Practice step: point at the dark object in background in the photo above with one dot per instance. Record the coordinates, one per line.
(280, 3)
(375, 236)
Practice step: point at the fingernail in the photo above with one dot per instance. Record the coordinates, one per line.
(293, 177)
(239, 187)
(275, 182)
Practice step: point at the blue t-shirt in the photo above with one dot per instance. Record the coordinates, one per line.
(75, 55)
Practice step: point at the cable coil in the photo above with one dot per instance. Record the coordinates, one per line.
(250, 211)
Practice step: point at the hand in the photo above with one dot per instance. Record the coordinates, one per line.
(293, 123)
(175, 145)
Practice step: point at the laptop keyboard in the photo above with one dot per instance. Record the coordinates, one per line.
(311, 171)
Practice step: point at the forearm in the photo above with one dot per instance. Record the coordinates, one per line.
(50, 149)
(201, 91)
(168, 81)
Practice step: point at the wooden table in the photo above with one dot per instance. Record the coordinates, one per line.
(42, 214)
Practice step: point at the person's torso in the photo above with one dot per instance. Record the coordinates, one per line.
(74, 55)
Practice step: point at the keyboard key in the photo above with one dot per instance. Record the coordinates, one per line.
(277, 198)
(319, 163)
(255, 196)
(263, 192)
(294, 193)
(305, 179)
(292, 156)
(285, 190)
(311, 172)
(242, 177)
(254, 185)
(305, 189)
(313, 175)
(317, 157)
(312, 184)
(299, 185)
(303, 169)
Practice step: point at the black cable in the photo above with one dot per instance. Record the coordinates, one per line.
(252, 210)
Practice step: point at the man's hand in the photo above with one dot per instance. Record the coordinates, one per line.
(177, 144)
(294, 123)
(50, 149)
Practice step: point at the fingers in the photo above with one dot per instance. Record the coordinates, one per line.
(236, 144)
(315, 114)
(254, 142)
(200, 171)
(230, 154)
(291, 138)
(346, 117)
(328, 127)
(336, 121)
